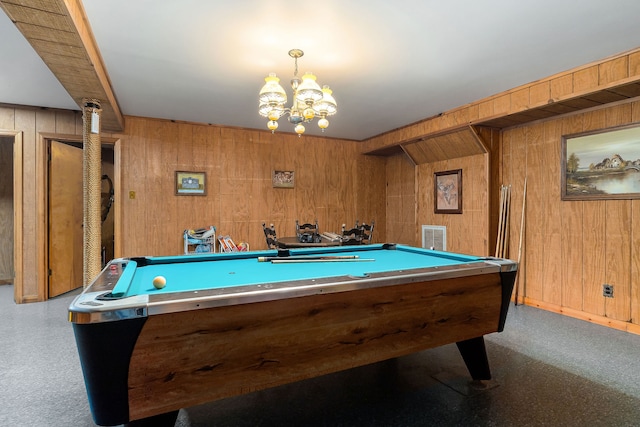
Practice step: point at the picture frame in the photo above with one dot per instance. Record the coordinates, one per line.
(601, 165)
(447, 191)
(283, 179)
(189, 183)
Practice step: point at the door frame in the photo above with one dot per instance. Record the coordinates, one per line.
(17, 211)
(43, 216)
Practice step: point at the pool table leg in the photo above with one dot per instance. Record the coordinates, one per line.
(163, 420)
(474, 355)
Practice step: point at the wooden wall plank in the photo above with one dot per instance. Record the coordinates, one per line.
(635, 262)
(6, 208)
(618, 259)
(572, 236)
(402, 186)
(535, 231)
(7, 118)
(586, 79)
(514, 154)
(552, 269)
(26, 121)
(635, 220)
(134, 186)
(613, 70)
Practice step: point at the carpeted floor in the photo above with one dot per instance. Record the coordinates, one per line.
(548, 370)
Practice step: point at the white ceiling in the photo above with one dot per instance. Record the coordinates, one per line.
(390, 63)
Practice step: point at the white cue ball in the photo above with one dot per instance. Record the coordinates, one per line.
(159, 282)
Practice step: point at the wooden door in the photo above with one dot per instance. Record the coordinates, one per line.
(65, 218)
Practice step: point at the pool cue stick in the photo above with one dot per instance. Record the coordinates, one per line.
(292, 261)
(504, 209)
(307, 257)
(507, 225)
(499, 225)
(524, 200)
(504, 222)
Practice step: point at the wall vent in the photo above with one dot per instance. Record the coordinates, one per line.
(434, 237)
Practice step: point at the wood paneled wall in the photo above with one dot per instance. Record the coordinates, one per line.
(31, 123)
(333, 184)
(572, 248)
(410, 198)
(467, 232)
(6, 209)
(401, 201)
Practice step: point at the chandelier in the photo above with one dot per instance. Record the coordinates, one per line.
(309, 100)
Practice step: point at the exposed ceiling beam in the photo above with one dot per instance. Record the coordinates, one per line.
(59, 32)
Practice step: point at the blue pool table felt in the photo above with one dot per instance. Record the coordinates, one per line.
(201, 272)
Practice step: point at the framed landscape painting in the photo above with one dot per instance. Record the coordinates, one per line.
(190, 183)
(601, 165)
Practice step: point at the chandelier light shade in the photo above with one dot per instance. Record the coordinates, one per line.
(309, 100)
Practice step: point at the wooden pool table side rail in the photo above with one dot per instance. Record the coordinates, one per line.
(188, 358)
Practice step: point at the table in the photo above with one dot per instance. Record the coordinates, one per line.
(227, 324)
(294, 242)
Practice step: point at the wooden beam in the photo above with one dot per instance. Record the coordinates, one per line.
(59, 32)
(598, 84)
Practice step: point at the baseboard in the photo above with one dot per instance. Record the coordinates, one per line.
(577, 314)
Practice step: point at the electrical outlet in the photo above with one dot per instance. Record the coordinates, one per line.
(607, 290)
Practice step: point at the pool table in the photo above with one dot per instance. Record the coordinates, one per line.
(232, 323)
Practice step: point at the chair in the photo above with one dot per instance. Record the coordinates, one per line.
(308, 233)
(367, 231)
(352, 236)
(270, 236)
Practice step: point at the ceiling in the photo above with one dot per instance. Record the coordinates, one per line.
(389, 64)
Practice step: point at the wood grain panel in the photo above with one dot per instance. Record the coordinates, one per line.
(536, 216)
(83, 74)
(134, 186)
(400, 206)
(512, 154)
(572, 236)
(585, 79)
(31, 122)
(613, 70)
(460, 143)
(551, 289)
(240, 196)
(540, 94)
(618, 258)
(635, 261)
(189, 358)
(6, 208)
(573, 255)
(595, 266)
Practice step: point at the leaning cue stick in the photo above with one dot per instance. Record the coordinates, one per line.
(505, 240)
(284, 260)
(524, 200)
(497, 251)
(306, 257)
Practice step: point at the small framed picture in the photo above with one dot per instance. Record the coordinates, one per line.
(191, 183)
(448, 192)
(283, 179)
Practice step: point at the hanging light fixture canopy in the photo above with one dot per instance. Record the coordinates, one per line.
(309, 100)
